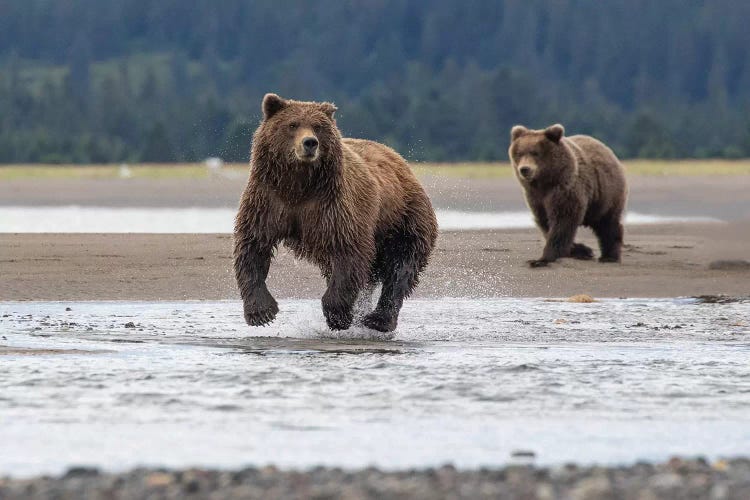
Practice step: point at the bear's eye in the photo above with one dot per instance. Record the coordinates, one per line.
(535, 154)
(293, 125)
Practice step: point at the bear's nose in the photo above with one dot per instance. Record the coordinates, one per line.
(525, 171)
(310, 143)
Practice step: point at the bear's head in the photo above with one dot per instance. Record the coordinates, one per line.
(296, 133)
(541, 158)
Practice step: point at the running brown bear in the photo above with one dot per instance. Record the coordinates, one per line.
(353, 207)
(569, 182)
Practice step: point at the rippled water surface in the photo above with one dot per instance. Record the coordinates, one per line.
(464, 381)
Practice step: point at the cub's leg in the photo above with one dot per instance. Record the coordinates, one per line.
(564, 215)
(577, 251)
(559, 242)
(609, 231)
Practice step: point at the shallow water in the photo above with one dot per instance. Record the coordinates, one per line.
(76, 219)
(464, 381)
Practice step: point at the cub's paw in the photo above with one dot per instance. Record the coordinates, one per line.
(260, 308)
(380, 321)
(581, 251)
(537, 263)
(609, 259)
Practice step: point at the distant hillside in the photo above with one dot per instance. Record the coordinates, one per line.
(174, 80)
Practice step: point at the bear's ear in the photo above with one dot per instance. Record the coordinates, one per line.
(272, 104)
(328, 108)
(517, 132)
(554, 133)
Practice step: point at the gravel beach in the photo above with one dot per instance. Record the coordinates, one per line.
(675, 479)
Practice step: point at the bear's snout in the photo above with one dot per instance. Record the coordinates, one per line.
(525, 171)
(310, 144)
(307, 146)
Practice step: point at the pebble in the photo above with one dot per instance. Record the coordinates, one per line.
(677, 478)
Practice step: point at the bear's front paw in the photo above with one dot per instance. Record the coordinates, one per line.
(581, 251)
(260, 308)
(537, 263)
(380, 321)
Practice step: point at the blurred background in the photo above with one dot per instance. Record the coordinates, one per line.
(100, 81)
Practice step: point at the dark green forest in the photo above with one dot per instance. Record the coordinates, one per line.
(180, 80)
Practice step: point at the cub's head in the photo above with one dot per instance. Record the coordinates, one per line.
(297, 132)
(540, 157)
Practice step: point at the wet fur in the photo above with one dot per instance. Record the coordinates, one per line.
(578, 181)
(357, 212)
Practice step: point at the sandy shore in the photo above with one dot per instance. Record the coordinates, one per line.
(659, 261)
(676, 479)
(664, 260)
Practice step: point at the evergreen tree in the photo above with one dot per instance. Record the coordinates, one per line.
(79, 66)
(437, 80)
(157, 148)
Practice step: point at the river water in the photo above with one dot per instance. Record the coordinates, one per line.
(78, 219)
(471, 382)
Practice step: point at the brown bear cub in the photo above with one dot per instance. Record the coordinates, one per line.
(569, 182)
(352, 207)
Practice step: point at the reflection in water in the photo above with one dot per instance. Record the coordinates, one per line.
(464, 381)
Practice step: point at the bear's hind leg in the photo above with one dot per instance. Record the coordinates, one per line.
(400, 260)
(609, 231)
(399, 279)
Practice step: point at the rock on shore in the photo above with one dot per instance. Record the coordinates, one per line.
(675, 479)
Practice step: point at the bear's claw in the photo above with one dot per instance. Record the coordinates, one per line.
(260, 309)
(261, 318)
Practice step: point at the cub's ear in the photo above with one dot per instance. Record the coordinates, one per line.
(517, 132)
(328, 108)
(272, 104)
(554, 133)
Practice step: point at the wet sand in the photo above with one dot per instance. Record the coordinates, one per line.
(658, 261)
(723, 197)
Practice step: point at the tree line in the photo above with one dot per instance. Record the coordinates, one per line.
(180, 80)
